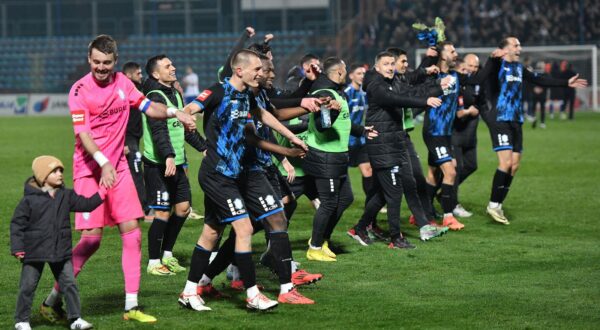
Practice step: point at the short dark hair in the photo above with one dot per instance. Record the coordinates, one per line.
(307, 58)
(331, 62)
(396, 51)
(383, 54)
(504, 41)
(241, 56)
(355, 66)
(105, 44)
(152, 63)
(261, 49)
(130, 67)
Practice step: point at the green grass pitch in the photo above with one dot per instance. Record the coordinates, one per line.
(542, 271)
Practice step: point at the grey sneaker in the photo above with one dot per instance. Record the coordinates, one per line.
(459, 211)
(498, 215)
(428, 232)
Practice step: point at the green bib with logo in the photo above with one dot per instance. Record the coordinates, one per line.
(335, 138)
(176, 134)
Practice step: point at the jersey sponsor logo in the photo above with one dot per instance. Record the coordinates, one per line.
(240, 114)
(78, 117)
(112, 111)
(511, 78)
(204, 95)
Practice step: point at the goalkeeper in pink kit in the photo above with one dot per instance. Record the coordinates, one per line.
(99, 104)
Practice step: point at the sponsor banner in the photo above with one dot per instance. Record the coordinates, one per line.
(34, 104)
(48, 105)
(11, 105)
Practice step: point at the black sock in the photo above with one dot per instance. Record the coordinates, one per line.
(367, 185)
(223, 259)
(498, 186)
(200, 259)
(431, 190)
(289, 208)
(282, 255)
(448, 199)
(173, 228)
(246, 267)
(507, 183)
(155, 237)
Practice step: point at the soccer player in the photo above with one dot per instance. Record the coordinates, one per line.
(387, 152)
(296, 74)
(190, 85)
(357, 149)
(506, 129)
(164, 158)
(133, 71)
(437, 130)
(228, 198)
(472, 102)
(99, 104)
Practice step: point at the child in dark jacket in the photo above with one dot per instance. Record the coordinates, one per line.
(40, 232)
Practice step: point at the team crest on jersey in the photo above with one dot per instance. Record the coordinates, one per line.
(78, 117)
(121, 94)
(204, 95)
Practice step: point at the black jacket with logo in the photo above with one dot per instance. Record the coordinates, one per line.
(41, 225)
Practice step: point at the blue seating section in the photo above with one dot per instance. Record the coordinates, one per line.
(40, 64)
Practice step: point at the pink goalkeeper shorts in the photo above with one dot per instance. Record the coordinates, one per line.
(120, 205)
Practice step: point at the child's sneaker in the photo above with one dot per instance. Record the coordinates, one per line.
(81, 324)
(23, 326)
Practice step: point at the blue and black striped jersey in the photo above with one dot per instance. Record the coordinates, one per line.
(439, 121)
(227, 112)
(357, 104)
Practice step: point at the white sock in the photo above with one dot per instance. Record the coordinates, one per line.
(130, 301)
(167, 254)
(235, 273)
(52, 298)
(153, 262)
(190, 288)
(285, 288)
(205, 280)
(494, 205)
(252, 292)
(447, 215)
(294, 266)
(315, 247)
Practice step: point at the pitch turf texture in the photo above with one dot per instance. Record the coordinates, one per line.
(542, 271)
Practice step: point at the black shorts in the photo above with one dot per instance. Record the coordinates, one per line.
(304, 185)
(507, 135)
(227, 199)
(278, 182)
(440, 149)
(162, 192)
(358, 155)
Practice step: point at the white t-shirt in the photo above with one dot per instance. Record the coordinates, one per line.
(190, 82)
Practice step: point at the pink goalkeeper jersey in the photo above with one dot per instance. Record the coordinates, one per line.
(102, 111)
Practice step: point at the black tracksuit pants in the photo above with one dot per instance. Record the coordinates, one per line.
(335, 196)
(388, 183)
